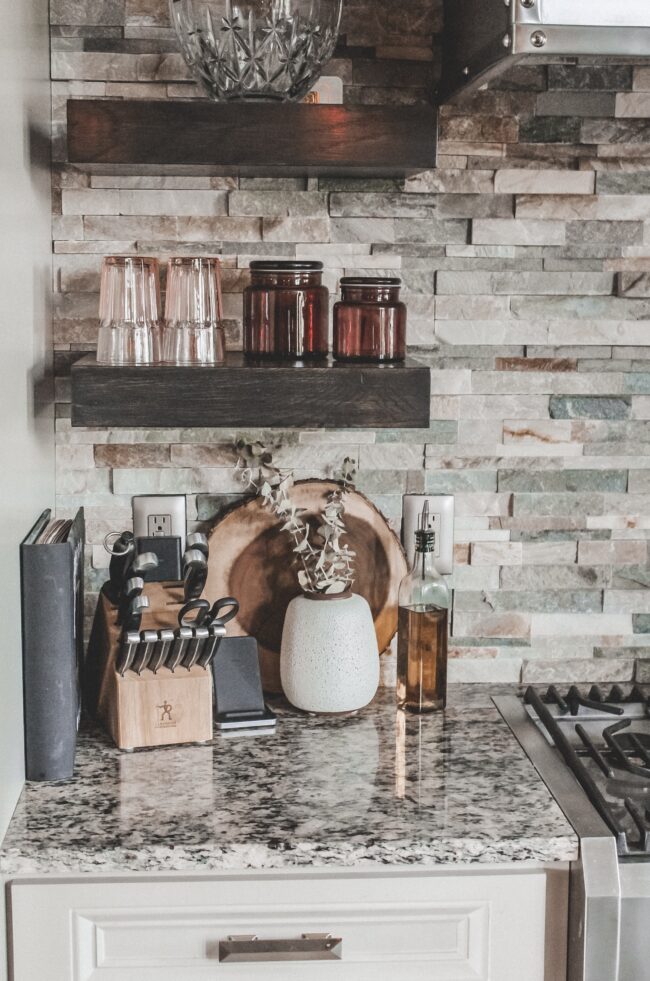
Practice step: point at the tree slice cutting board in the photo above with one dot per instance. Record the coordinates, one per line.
(252, 559)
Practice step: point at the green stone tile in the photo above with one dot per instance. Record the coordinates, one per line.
(458, 481)
(537, 601)
(637, 382)
(590, 407)
(364, 185)
(631, 577)
(597, 535)
(489, 642)
(641, 623)
(382, 481)
(562, 505)
(587, 77)
(209, 507)
(550, 129)
(440, 431)
(627, 652)
(563, 480)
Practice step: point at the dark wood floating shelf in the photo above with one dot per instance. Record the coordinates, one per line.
(316, 395)
(253, 137)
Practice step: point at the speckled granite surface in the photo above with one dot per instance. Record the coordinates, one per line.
(376, 789)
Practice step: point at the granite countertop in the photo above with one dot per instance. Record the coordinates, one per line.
(379, 788)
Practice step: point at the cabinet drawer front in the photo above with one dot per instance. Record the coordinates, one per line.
(447, 928)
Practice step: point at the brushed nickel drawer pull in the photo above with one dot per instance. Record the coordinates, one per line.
(309, 947)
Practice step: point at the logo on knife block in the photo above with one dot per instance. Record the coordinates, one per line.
(165, 720)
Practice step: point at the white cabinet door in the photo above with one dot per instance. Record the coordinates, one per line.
(440, 927)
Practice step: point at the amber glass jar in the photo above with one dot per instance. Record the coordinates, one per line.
(286, 310)
(369, 320)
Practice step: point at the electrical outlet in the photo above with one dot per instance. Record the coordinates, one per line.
(441, 520)
(162, 515)
(159, 525)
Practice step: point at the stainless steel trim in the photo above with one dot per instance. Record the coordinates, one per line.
(539, 30)
(588, 13)
(595, 888)
(584, 40)
(308, 947)
(551, 767)
(595, 912)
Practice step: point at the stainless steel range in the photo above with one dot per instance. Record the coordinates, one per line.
(592, 749)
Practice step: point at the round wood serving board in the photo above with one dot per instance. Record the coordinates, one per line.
(252, 559)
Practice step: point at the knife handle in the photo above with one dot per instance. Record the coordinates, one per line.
(182, 638)
(199, 636)
(161, 650)
(197, 540)
(129, 646)
(211, 646)
(195, 573)
(145, 648)
(133, 615)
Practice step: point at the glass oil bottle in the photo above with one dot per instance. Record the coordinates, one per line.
(422, 630)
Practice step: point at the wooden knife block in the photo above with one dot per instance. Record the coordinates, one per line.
(147, 710)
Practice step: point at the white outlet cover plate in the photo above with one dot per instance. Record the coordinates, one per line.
(172, 504)
(441, 520)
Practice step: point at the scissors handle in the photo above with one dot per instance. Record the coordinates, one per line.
(228, 603)
(201, 606)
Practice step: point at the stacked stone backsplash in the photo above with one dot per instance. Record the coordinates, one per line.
(525, 259)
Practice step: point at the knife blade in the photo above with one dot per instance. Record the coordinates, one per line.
(148, 639)
(128, 647)
(161, 650)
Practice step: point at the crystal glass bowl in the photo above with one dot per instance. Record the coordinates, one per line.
(257, 49)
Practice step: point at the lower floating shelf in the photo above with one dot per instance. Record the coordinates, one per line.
(314, 395)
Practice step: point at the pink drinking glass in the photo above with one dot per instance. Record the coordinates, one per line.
(129, 311)
(192, 329)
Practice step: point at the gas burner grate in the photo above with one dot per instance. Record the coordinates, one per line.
(618, 751)
(612, 703)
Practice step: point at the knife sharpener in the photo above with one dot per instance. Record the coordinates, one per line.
(239, 699)
(168, 553)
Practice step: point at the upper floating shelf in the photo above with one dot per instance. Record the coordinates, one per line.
(315, 395)
(253, 138)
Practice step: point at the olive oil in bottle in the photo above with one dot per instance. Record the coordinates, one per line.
(422, 632)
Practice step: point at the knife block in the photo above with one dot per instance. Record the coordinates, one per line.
(163, 709)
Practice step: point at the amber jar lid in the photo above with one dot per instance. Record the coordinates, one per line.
(288, 265)
(370, 281)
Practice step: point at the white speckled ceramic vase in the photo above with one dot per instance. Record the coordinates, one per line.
(329, 660)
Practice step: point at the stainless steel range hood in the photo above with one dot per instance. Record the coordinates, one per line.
(485, 37)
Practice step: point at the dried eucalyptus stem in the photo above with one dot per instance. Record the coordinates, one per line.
(326, 567)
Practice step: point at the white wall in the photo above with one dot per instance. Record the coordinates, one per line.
(26, 419)
(27, 427)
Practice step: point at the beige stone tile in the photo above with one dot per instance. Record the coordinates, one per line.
(527, 181)
(497, 231)
(496, 553)
(580, 624)
(577, 671)
(633, 104)
(549, 553)
(492, 332)
(493, 625)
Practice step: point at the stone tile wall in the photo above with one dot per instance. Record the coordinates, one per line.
(526, 266)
